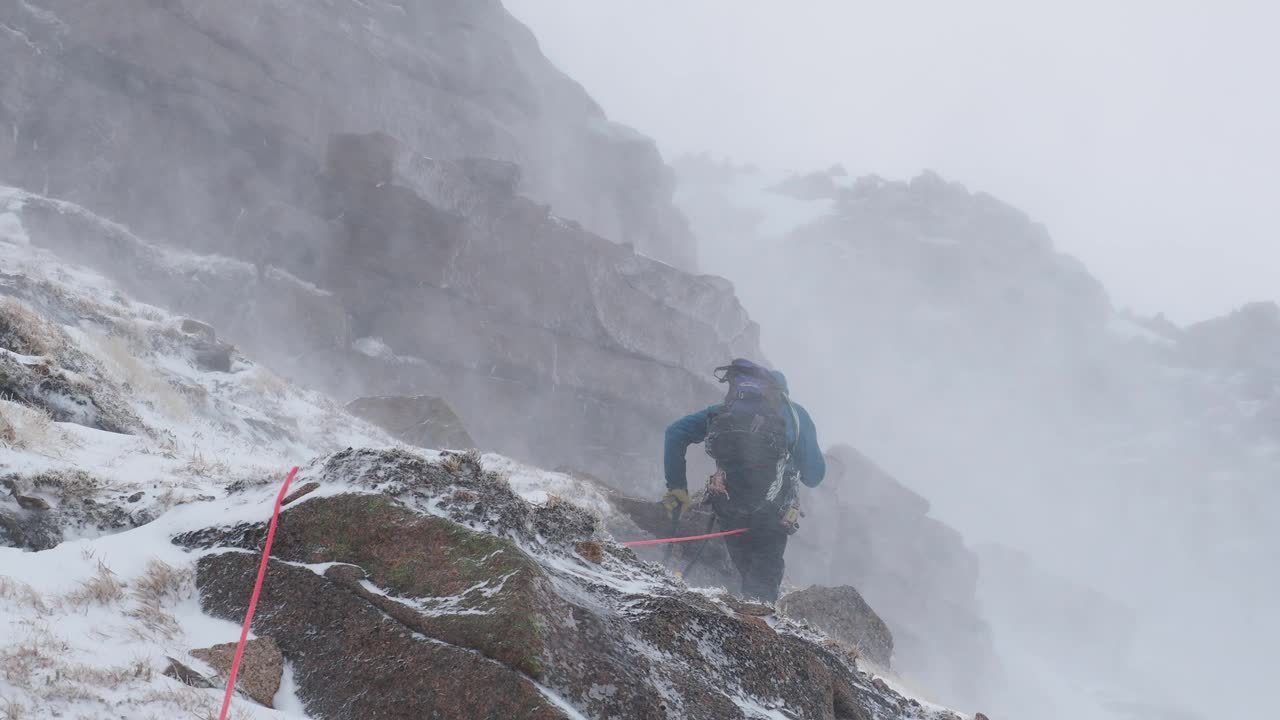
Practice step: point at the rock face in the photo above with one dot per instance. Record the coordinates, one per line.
(506, 307)
(386, 179)
(351, 660)
(407, 595)
(841, 613)
(424, 421)
(183, 118)
(261, 667)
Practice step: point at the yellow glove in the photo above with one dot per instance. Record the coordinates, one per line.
(791, 520)
(676, 502)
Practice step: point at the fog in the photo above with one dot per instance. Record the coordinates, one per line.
(1140, 136)
(1132, 464)
(1141, 133)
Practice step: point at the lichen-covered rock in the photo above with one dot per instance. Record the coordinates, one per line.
(261, 667)
(422, 558)
(350, 659)
(471, 589)
(841, 613)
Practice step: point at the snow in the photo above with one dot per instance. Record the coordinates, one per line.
(11, 229)
(374, 347)
(538, 486)
(570, 711)
(755, 711)
(64, 648)
(70, 635)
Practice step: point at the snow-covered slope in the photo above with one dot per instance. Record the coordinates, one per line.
(88, 624)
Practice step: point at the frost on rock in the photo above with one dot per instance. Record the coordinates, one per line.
(448, 553)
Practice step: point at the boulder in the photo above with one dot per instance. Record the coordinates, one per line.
(456, 612)
(199, 329)
(40, 508)
(842, 614)
(213, 357)
(352, 660)
(185, 675)
(261, 667)
(31, 503)
(29, 531)
(423, 421)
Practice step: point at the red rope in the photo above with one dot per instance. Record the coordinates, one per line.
(253, 601)
(691, 538)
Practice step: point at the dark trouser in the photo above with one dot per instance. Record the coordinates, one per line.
(758, 557)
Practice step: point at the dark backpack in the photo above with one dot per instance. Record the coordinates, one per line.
(748, 432)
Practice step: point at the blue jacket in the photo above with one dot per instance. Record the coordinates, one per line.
(692, 429)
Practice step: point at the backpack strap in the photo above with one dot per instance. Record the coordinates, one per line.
(795, 418)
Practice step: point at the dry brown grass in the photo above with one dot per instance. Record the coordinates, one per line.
(103, 588)
(199, 466)
(13, 710)
(25, 332)
(455, 462)
(36, 666)
(17, 592)
(71, 486)
(266, 383)
(23, 662)
(26, 428)
(160, 584)
(40, 673)
(122, 353)
(194, 704)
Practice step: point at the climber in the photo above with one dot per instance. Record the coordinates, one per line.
(762, 443)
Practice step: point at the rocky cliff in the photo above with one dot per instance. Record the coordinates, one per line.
(425, 204)
(181, 118)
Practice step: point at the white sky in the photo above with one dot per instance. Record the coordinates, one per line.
(1146, 134)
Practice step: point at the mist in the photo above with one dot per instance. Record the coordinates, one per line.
(1140, 133)
(1137, 136)
(410, 201)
